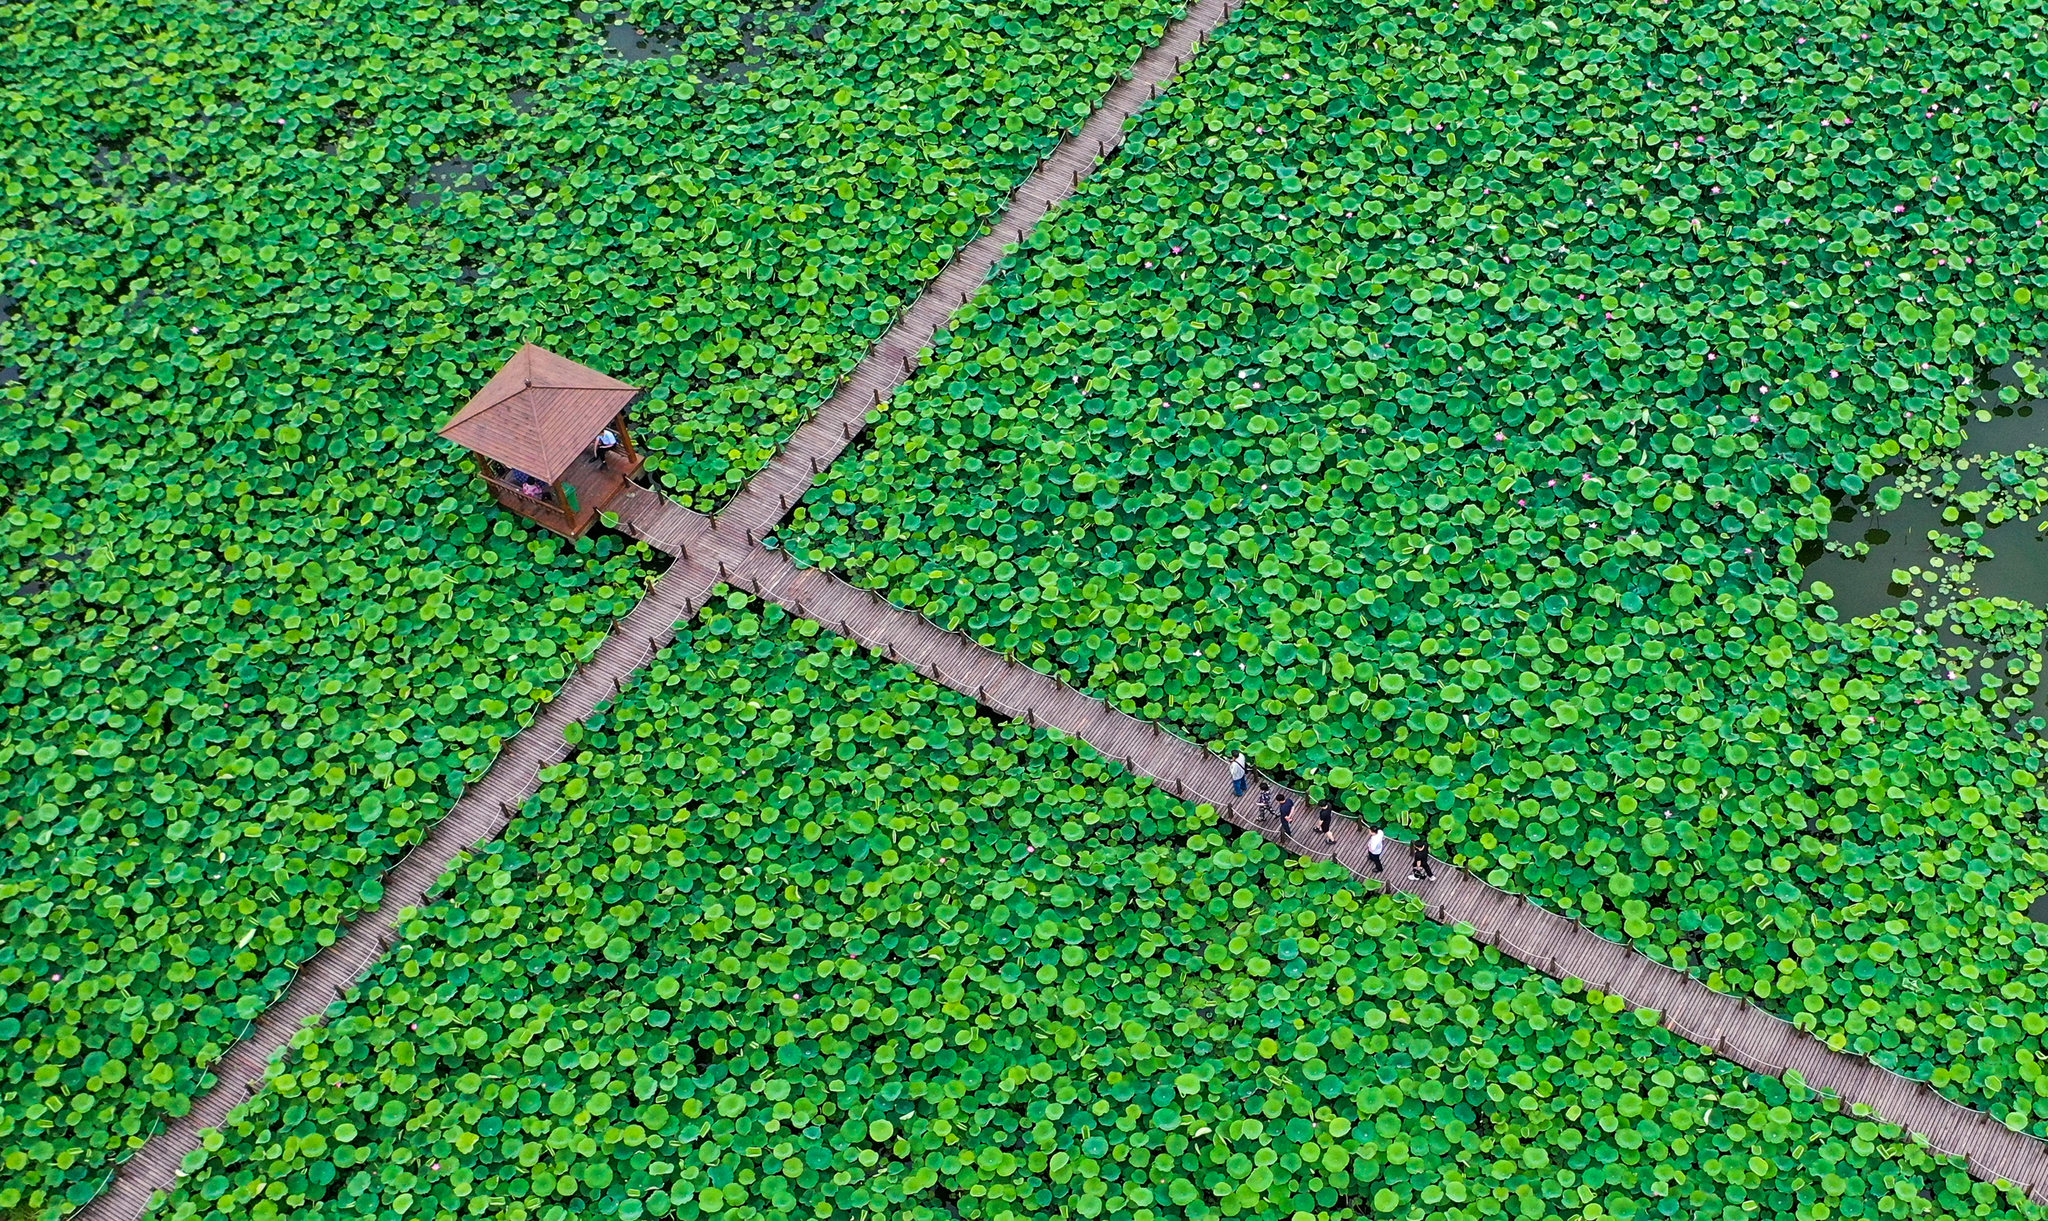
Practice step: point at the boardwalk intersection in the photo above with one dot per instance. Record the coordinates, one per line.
(727, 549)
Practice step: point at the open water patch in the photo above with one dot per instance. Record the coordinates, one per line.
(1957, 544)
(1863, 555)
(635, 45)
(2003, 418)
(453, 176)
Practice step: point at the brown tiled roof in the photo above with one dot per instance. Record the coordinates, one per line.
(538, 413)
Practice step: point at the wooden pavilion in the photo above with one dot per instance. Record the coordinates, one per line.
(537, 430)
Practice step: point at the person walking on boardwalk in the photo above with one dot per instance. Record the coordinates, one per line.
(1237, 775)
(1286, 823)
(1374, 847)
(1422, 868)
(1265, 805)
(1323, 821)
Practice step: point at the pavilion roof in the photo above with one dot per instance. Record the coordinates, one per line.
(538, 413)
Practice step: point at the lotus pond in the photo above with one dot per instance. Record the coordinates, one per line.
(798, 934)
(1434, 401)
(1436, 404)
(262, 627)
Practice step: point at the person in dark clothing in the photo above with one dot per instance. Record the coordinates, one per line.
(1286, 826)
(1285, 805)
(1422, 868)
(1265, 806)
(1323, 822)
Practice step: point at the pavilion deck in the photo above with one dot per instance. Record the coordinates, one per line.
(597, 482)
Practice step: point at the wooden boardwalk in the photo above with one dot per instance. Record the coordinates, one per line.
(479, 815)
(709, 552)
(485, 806)
(811, 450)
(1551, 943)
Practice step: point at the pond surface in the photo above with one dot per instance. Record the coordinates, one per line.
(1898, 540)
(2020, 570)
(455, 174)
(633, 44)
(1921, 551)
(2000, 428)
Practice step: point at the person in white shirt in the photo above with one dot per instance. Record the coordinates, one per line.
(1374, 847)
(1237, 775)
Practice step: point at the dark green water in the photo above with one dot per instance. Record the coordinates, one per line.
(1919, 553)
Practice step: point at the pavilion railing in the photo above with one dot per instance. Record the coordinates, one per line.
(538, 504)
